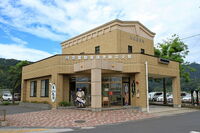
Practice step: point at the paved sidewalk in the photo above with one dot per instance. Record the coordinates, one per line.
(73, 118)
(165, 110)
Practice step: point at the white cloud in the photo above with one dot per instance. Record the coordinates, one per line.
(57, 20)
(21, 52)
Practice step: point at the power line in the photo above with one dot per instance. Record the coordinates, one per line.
(190, 37)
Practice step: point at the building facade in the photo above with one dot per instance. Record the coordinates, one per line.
(111, 63)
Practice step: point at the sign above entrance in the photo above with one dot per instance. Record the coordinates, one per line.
(92, 57)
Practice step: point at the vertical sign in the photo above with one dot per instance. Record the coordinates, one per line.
(53, 92)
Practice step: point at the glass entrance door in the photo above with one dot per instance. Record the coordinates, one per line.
(112, 91)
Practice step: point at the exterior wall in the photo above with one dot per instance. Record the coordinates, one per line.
(115, 41)
(59, 64)
(112, 37)
(126, 39)
(107, 43)
(58, 67)
(65, 88)
(38, 97)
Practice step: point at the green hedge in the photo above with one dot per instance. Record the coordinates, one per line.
(64, 104)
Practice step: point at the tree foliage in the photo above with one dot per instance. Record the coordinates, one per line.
(15, 74)
(176, 50)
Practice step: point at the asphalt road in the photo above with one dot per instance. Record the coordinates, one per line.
(181, 123)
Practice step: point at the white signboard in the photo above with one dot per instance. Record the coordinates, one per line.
(91, 57)
(53, 92)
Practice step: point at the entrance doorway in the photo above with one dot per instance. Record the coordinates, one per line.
(84, 84)
(115, 91)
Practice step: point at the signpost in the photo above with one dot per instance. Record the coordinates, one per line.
(53, 92)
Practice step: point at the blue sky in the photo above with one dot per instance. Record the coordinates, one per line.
(33, 29)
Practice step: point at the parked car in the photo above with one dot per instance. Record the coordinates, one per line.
(187, 98)
(17, 96)
(156, 95)
(183, 94)
(7, 97)
(151, 94)
(170, 98)
(161, 97)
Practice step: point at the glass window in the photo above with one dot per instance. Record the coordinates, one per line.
(45, 88)
(33, 89)
(82, 79)
(97, 50)
(130, 49)
(116, 79)
(106, 79)
(142, 51)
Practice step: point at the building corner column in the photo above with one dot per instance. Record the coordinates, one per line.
(57, 79)
(23, 90)
(96, 98)
(140, 91)
(176, 89)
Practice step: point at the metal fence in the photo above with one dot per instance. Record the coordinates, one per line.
(2, 115)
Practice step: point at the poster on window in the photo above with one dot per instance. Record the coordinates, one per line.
(53, 92)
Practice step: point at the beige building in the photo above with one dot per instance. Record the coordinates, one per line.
(111, 63)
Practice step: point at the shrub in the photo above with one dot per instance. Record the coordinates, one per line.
(64, 104)
(6, 103)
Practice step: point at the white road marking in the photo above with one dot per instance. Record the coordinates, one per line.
(87, 127)
(194, 132)
(53, 130)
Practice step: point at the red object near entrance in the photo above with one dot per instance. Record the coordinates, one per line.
(110, 93)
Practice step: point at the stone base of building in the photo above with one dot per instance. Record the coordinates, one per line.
(177, 105)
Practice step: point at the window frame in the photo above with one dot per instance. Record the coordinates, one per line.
(130, 49)
(34, 88)
(142, 51)
(97, 49)
(46, 88)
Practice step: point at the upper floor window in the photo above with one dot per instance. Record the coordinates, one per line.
(33, 89)
(97, 50)
(142, 51)
(45, 88)
(130, 49)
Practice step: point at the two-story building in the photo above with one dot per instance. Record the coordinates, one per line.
(111, 63)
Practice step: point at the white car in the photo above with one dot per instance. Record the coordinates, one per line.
(170, 98)
(187, 98)
(156, 95)
(7, 97)
(161, 99)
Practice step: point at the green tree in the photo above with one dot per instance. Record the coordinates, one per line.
(15, 76)
(176, 50)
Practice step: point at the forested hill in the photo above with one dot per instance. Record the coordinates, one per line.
(4, 67)
(195, 78)
(196, 73)
(8, 62)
